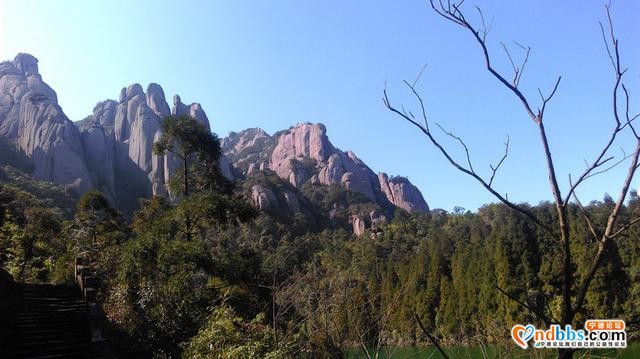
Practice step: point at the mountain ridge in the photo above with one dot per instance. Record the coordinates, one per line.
(111, 149)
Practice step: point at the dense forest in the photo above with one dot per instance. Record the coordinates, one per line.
(206, 275)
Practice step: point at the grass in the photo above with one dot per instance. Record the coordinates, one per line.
(477, 352)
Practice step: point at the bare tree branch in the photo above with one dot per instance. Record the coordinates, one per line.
(619, 126)
(464, 145)
(495, 169)
(430, 336)
(625, 227)
(453, 162)
(419, 75)
(608, 232)
(451, 11)
(593, 230)
(533, 311)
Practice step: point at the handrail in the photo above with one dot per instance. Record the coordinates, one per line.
(89, 283)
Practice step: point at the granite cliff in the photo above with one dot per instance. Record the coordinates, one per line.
(31, 118)
(111, 150)
(118, 140)
(303, 154)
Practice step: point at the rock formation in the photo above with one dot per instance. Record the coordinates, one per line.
(31, 118)
(263, 197)
(123, 134)
(402, 193)
(112, 150)
(304, 154)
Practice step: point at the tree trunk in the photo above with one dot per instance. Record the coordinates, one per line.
(185, 194)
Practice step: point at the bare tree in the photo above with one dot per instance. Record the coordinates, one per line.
(573, 289)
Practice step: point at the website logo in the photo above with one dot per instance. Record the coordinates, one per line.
(597, 333)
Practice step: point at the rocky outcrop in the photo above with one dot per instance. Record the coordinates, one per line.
(358, 225)
(293, 203)
(402, 193)
(193, 110)
(248, 150)
(263, 198)
(304, 141)
(31, 118)
(304, 154)
(122, 134)
(112, 149)
(378, 219)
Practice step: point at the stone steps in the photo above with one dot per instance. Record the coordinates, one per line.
(52, 324)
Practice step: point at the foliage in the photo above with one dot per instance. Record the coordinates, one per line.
(206, 275)
(189, 141)
(227, 336)
(31, 241)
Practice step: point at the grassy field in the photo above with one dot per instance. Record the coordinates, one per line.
(631, 352)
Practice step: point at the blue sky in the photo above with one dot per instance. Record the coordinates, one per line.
(271, 64)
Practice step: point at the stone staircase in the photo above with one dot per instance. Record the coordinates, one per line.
(52, 324)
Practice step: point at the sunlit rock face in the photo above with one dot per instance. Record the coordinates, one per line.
(112, 148)
(31, 118)
(303, 154)
(129, 129)
(402, 193)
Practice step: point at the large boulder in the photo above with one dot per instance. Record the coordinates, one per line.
(402, 193)
(263, 198)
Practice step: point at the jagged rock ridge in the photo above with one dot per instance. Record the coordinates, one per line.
(304, 154)
(111, 149)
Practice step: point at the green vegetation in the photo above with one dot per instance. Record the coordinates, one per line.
(205, 275)
(482, 352)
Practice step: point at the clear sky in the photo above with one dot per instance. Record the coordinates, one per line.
(272, 64)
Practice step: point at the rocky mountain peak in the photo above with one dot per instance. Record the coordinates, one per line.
(304, 153)
(31, 118)
(156, 100)
(27, 64)
(193, 110)
(112, 149)
(123, 133)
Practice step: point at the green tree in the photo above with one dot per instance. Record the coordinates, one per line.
(31, 237)
(97, 231)
(225, 335)
(189, 141)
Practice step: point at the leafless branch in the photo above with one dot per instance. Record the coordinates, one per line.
(585, 214)
(464, 145)
(430, 336)
(606, 44)
(451, 11)
(495, 169)
(609, 230)
(485, 29)
(419, 75)
(518, 70)
(425, 130)
(533, 311)
(545, 100)
(629, 118)
(625, 227)
(624, 158)
(619, 126)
